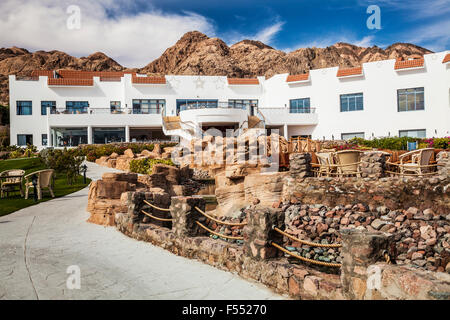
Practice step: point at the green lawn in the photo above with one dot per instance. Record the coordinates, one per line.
(14, 202)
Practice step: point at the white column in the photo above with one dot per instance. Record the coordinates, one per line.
(89, 134)
(285, 131)
(127, 133)
(49, 138)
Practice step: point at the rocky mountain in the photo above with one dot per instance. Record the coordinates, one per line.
(196, 53)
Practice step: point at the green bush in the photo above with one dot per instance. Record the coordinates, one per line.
(93, 152)
(391, 143)
(145, 166)
(67, 161)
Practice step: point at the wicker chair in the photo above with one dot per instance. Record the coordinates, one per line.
(44, 180)
(326, 161)
(348, 162)
(420, 161)
(11, 179)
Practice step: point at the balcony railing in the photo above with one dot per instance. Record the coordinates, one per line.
(288, 110)
(213, 105)
(103, 111)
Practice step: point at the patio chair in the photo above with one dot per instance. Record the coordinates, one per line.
(10, 179)
(44, 180)
(348, 162)
(326, 161)
(420, 161)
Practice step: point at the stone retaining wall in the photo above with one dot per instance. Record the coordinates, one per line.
(256, 260)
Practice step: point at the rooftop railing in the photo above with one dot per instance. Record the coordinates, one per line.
(104, 111)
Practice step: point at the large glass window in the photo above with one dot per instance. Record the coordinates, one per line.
(148, 106)
(108, 135)
(410, 99)
(69, 137)
(300, 105)
(24, 108)
(348, 136)
(419, 133)
(187, 104)
(77, 107)
(352, 102)
(242, 104)
(48, 104)
(24, 139)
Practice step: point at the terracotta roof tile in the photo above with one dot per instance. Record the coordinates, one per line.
(149, 80)
(414, 63)
(298, 77)
(70, 82)
(446, 58)
(37, 73)
(243, 81)
(345, 72)
(77, 74)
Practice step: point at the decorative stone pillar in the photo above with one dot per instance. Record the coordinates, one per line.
(443, 162)
(300, 164)
(360, 249)
(258, 232)
(373, 164)
(185, 215)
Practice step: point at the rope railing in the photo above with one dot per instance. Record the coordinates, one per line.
(157, 208)
(308, 243)
(406, 167)
(218, 234)
(220, 222)
(321, 263)
(157, 218)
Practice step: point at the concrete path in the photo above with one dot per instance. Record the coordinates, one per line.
(39, 243)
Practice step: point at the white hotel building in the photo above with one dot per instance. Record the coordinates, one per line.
(383, 98)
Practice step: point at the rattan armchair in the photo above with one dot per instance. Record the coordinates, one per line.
(44, 180)
(420, 161)
(10, 179)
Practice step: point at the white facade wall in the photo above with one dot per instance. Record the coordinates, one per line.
(379, 86)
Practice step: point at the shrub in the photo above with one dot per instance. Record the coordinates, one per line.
(145, 166)
(67, 161)
(93, 152)
(390, 143)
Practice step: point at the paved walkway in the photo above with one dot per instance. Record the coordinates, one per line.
(39, 243)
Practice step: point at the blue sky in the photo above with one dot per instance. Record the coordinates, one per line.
(135, 32)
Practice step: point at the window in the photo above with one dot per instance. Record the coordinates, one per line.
(419, 133)
(352, 102)
(348, 136)
(114, 106)
(410, 99)
(48, 104)
(108, 135)
(300, 105)
(24, 108)
(242, 104)
(187, 104)
(150, 106)
(77, 107)
(44, 139)
(24, 139)
(69, 137)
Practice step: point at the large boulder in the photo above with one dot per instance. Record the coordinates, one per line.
(129, 153)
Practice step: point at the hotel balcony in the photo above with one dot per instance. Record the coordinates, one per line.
(213, 112)
(281, 116)
(104, 117)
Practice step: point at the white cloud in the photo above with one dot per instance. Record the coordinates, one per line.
(133, 41)
(434, 36)
(265, 35)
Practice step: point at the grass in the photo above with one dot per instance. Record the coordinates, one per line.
(61, 188)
